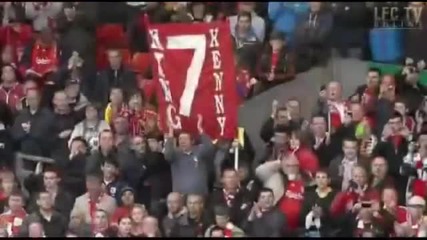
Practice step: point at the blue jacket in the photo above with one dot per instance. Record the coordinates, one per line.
(286, 15)
(114, 189)
(386, 45)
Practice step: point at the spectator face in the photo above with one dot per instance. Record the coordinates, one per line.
(121, 126)
(91, 113)
(243, 173)
(379, 167)
(45, 201)
(174, 203)
(116, 97)
(357, 112)
(7, 55)
(135, 102)
(221, 221)
(389, 197)
(46, 37)
(8, 74)
(29, 85)
(198, 8)
(318, 126)
(150, 226)
(138, 144)
(276, 44)
(387, 84)
(106, 140)
(15, 202)
(128, 198)
(35, 230)
(244, 23)
(60, 101)
(194, 205)
(70, 12)
(150, 125)
(230, 179)
(315, 6)
(109, 170)
(50, 180)
(138, 214)
(333, 91)
(322, 180)
(78, 147)
(293, 108)
(101, 220)
(33, 98)
(400, 107)
(115, 59)
(282, 117)
(290, 167)
(184, 142)
(125, 226)
(395, 124)
(359, 176)
(294, 142)
(266, 200)
(350, 149)
(246, 6)
(72, 90)
(373, 79)
(93, 185)
(7, 185)
(154, 145)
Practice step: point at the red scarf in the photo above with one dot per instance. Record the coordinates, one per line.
(14, 220)
(274, 61)
(44, 59)
(93, 206)
(228, 233)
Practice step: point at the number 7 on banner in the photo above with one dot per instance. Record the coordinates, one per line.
(198, 43)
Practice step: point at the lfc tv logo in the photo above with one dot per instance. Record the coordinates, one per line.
(393, 17)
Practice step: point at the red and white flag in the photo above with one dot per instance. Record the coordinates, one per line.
(193, 65)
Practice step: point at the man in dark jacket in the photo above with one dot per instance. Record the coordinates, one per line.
(231, 195)
(116, 75)
(54, 224)
(113, 185)
(313, 36)
(32, 128)
(49, 181)
(264, 219)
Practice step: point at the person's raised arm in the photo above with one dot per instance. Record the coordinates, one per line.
(169, 150)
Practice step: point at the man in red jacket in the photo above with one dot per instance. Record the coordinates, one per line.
(14, 217)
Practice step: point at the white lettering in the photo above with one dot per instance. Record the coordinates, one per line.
(170, 111)
(221, 122)
(155, 41)
(216, 58)
(218, 76)
(219, 103)
(214, 38)
(166, 89)
(159, 58)
(294, 195)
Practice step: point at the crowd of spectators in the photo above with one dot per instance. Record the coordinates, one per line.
(82, 153)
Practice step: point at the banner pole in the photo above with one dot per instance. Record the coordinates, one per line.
(236, 158)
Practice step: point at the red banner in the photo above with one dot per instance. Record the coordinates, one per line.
(193, 65)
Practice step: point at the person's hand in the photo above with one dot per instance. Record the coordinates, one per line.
(31, 72)
(65, 134)
(26, 127)
(255, 212)
(39, 168)
(253, 81)
(356, 207)
(270, 77)
(317, 211)
(322, 94)
(200, 123)
(274, 107)
(169, 133)
(386, 132)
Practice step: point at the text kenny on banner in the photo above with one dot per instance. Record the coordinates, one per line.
(193, 65)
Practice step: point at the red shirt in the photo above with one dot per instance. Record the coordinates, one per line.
(12, 96)
(120, 212)
(44, 59)
(308, 161)
(291, 203)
